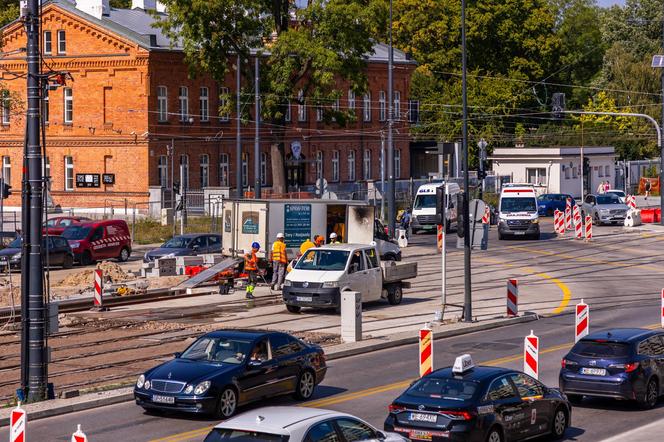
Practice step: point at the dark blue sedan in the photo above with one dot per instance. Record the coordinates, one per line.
(189, 244)
(625, 363)
(225, 369)
(550, 202)
(478, 404)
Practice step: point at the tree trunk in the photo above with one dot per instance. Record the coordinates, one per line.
(278, 169)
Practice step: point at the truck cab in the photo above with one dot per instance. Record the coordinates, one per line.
(517, 213)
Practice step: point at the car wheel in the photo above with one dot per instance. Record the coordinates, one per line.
(559, 424)
(650, 396)
(575, 398)
(293, 308)
(227, 403)
(495, 435)
(389, 257)
(394, 294)
(124, 255)
(305, 385)
(68, 262)
(86, 258)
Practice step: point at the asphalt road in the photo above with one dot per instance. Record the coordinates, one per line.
(365, 385)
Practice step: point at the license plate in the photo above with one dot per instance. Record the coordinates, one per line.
(519, 233)
(163, 399)
(594, 371)
(304, 298)
(423, 417)
(419, 435)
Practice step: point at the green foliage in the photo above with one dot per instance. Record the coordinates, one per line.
(8, 11)
(121, 4)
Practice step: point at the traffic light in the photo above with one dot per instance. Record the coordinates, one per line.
(461, 212)
(176, 188)
(440, 205)
(586, 167)
(6, 190)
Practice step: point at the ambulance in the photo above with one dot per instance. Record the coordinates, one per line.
(517, 212)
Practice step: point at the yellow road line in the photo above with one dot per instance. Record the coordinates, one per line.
(590, 260)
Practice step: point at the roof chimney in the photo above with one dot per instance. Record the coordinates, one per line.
(144, 4)
(96, 8)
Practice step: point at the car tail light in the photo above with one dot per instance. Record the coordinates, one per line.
(629, 367)
(565, 363)
(464, 415)
(393, 408)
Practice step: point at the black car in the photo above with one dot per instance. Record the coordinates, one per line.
(625, 363)
(59, 253)
(478, 404)
(189, 244)
(224, 369)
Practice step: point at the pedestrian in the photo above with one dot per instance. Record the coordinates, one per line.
(600, 188)
(607, 186)
(306, 245)
(319, 240)
(251, 268)
(405, 219)
(279, 262)
(333, 238)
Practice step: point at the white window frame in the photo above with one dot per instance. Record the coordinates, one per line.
(184, 159)
(319, 113)
(396, 110)
(6, 108)
(7, 169)
(204, 103)
(69, 173)
(351, 165)
(204, 170)
(224, 169)
(413, 111)
(62, 42)
(568, 172)
(46, 109)
(245, 170)
(68, 107)
(607, 171)
(301, 107)
(366, 111)
(600, 172)
(263, 168)
(351, 100)
(183, 100)
(335, 166)
(366, 164)
(382, 103)
(162, 103)
(397, 163)
(224, 94)
(162, 167)
(48, 43)
(538, 175)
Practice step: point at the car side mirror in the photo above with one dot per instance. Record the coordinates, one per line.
(177, 354)
(195, 248)
(381, 435)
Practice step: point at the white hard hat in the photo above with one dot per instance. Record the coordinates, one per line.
(333, 235)
(280, 235)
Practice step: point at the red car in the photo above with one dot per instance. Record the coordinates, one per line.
(57, 225)
(99, 240)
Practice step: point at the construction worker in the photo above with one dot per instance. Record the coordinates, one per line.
(279, 262)
(306, 246)
(333, 238)
(251, 268)
(319, 240)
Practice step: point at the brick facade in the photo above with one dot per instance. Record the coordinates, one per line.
(116, 125)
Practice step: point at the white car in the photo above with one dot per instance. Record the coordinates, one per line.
(619, 193)
(297, 424)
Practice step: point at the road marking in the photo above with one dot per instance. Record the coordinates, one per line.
(640, 433)
(180, 437)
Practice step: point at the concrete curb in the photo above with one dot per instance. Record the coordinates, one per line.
(59, 407)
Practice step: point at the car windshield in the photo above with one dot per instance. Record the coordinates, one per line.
(595, 349)
(51, 222)
(608, 199)
(218, 350)
(179, 242)
(222, 434)
(315, 259)
(512, 204)
(444, 388)
(618, 193)
(425, 202)
(76, 232)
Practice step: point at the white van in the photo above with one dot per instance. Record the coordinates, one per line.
(517, 213)
(424, 206)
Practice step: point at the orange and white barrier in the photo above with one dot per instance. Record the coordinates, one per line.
(17, 420)
(512, 297)
(440, 234)
(578, 225)
(589, 228)
(99, 287)
(531, 355)
(559, 222)
(582, 322)
(426, 351)
(79, 436)
(630, 200)
(568, 214)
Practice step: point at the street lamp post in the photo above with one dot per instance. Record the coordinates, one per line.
(391, 208)
(482, 145)
(467, 304)
(658, 62)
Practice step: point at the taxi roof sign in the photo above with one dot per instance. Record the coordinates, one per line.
(462, 364)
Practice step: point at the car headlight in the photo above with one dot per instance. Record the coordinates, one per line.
(604, 211)
(331, 284)
(75, 245)
(287, 283)
(147, 385)
(188, 389)
(202, 388)
(140, 381)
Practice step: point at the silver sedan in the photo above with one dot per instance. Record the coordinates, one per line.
(604, 209)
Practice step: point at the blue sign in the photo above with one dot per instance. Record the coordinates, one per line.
(297, 224)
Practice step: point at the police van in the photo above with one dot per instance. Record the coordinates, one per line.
(424, 206)
(517, 212)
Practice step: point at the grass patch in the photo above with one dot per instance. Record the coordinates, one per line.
(149, 231)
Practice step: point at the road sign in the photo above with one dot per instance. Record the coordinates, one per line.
(17, 420)
(79, 436)
(531, 355)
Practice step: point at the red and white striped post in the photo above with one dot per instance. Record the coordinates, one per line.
(559, 222)
(568, 214)
(582, 322)
(512, 297)
(78, 435)
(17, 421)
(531, 355)
(578, 225)
(99, 287)
(440, 238)
(589, 228)
(631, 201)
(662, 309)
(426, 351)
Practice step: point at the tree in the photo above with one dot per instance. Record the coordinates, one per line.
(324, 46)
(8, 11)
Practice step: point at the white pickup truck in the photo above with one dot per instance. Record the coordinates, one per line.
(322, 273)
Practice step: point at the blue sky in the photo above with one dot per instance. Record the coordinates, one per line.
(610, 2)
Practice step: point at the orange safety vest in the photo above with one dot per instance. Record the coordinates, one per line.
(279, 252)
(250, 262)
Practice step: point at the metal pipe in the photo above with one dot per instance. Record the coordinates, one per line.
(257, 125)
(238, 135)
(391, 202)
(467, 290)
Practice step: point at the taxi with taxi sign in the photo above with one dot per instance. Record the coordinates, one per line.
(473, 403)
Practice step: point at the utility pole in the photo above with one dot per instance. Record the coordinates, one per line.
(661, 150)
(170, 152)
(467, 290)
(257, 125)
(238, 135)
(36, 351)
(382, 177)
(391, 202)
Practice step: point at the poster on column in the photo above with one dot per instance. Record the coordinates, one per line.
(297, 224)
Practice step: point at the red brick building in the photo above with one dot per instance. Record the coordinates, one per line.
(131, 97)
